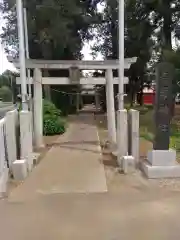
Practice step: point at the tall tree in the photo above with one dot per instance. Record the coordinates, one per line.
(165, 17)
(56, 29)
(138, 42)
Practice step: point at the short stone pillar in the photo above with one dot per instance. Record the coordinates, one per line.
(26, 138)
(20, 170)
(128, 164)
(133, 129)
(111, 116)
(122, 136)
(38, 109)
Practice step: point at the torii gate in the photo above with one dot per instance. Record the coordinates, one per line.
(38, 81)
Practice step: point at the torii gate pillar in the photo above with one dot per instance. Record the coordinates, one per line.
(111, 116)
(38, 109)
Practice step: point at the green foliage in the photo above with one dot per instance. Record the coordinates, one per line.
(8, 79)
(56, 29)
(146, 135)
(173, 57)
(63, 100)
(50, 109)
(175, 143)
(53, 123)
(6, 94)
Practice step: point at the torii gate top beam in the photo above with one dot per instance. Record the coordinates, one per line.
(66, 64)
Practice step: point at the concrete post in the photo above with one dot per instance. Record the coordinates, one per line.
(97, 103)
(121, 53)
(78, 102)
(26, 138)
(38, 109)
(22, 54)
(111, 117)
(122, 135)
(134, 134)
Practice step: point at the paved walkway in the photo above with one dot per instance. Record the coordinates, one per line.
(44, 209)
(73, 165)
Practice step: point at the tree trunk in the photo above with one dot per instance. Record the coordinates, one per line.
(141, 91)
(167, 24)
(132, 98)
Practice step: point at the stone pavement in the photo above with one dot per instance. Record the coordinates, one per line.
(44, 209)
(72, 165)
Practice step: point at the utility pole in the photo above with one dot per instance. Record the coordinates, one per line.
(121, 54)
(22, 54)
(27, 50)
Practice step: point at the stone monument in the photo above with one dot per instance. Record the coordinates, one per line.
(161, 161)
(163, 104)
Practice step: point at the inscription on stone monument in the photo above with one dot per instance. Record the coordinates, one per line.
(74, 74)
(163, 104)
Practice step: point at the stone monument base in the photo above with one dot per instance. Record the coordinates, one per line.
(161, 164)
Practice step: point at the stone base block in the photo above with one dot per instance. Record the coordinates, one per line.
(3, 182)
(162, 157)
(35, 158)
(128, 164)
(156, 172)
(20, 170)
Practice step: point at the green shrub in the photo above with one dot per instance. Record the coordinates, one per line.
(52, 122)
(50, 109)
(53, 126)
(6, 94)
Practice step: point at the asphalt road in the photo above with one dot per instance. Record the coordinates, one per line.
(5, 108)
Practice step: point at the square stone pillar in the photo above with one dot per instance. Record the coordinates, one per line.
(133, 129)
(38, 109)
(111, 116)
(26, 138)
(122, 136)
